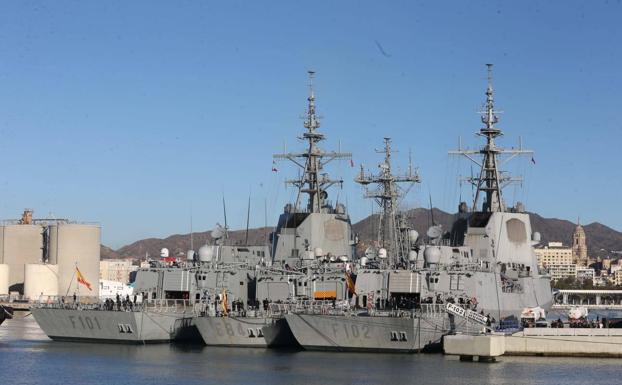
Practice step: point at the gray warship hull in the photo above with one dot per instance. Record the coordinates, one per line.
(232, 331)
(367, 333)
(126, 327)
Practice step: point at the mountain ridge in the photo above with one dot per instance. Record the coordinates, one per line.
(601, 239)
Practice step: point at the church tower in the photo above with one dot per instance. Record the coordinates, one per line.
(579, 247)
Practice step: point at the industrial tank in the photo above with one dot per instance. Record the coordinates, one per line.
(4, 279)
(75, 245)
(20, 244)
(40, 280)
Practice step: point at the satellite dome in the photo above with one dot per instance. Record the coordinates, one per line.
(412, 255)
(206, 253)
(164, 253)
(536, 237)
(363, 261)
(432, 255)
(413, 235)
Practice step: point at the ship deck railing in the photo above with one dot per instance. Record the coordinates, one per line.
(277, 310)
(173, 306)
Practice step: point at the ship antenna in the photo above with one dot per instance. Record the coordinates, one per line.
(312, 181)
(490, 181)
(386, 195)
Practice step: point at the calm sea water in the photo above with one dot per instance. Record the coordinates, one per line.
(27, 356)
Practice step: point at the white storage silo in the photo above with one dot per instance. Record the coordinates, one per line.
(75, 245)
(40, 280)
(19, 245)
(4, 279)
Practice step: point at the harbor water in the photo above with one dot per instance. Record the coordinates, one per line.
(27, 356)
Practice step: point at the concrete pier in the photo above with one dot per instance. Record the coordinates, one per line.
(486, 347)
(574, 342)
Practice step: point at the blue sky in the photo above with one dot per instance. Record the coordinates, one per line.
(135, 114)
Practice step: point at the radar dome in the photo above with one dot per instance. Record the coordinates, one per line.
(536, 237)
(432, 255)
(318, 252)
(206, 253)
(343, 258)
(363, 261)
(413, 235)
(412, 255)
(164, 253)
(382, 253)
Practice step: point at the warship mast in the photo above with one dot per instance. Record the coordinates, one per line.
(386, 195)
(491, 179)
(313, 181)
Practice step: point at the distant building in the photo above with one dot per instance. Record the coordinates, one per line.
(584, 273)
(579, 246)
(562, 271)
(117, 270)
(554, 254)
(617, 277)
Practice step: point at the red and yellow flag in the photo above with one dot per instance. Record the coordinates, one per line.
(82, 280)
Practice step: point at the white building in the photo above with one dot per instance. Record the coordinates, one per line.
(554, 254)
(561, 271)
(584, 273)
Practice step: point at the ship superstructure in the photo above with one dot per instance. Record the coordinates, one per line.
(485, 263)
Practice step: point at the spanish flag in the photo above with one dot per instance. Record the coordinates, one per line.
(225, 305)
(350, 284)
(82, 280)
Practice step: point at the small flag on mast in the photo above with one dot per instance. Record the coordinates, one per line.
(274, 169)
(82, 280)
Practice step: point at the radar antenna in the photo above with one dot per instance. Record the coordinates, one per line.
(313, 181)
(491, 180)
(386, 195)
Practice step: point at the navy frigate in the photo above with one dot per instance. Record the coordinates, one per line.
(484, 265)
(309, 248)
(166, 297)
